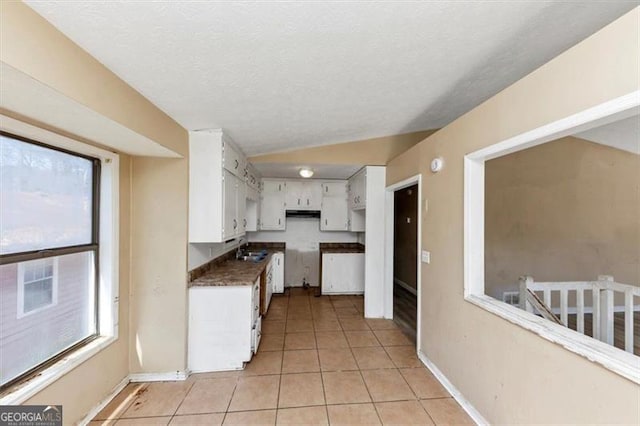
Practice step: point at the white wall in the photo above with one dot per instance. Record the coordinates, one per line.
(302, 238)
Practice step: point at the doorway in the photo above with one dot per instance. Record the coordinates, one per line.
(405, 252)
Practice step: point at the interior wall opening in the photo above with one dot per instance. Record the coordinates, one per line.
(405, 252)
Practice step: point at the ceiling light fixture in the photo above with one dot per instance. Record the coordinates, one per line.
(306, 173)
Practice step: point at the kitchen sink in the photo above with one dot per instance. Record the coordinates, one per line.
(251, 258)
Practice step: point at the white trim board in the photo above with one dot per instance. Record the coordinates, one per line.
(623, 363)
(174, 376)
(457, 395)
(170, 376)
(102, 404)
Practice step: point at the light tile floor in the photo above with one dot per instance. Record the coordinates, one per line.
(319, 362)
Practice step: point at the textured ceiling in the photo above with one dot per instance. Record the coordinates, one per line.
(283, 75)
(623, 134)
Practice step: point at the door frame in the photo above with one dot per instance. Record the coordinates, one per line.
(389, 249)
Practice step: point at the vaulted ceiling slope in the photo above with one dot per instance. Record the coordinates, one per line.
(280, 76)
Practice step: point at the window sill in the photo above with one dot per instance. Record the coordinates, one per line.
(620, 362)
(27, 389)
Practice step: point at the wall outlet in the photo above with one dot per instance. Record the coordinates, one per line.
(426, 256)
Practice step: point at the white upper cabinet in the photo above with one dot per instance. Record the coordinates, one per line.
(232, 159)
(253, 177)
(358, 190)
(303, 195)
(217, 188)
(272, 208)
(334, 215)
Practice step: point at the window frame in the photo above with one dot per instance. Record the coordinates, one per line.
(611, 358)
(105, 230)
(45, 253)
(21, 284)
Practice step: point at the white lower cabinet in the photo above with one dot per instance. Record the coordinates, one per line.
(343, 273)
(278, 272)
(224, 326)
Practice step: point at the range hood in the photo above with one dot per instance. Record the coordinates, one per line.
(305, 214)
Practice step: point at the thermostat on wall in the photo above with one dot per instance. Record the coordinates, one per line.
(437, 164)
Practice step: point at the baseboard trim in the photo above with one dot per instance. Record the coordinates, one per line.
(171, 376)
(464, 403)
(95, 410)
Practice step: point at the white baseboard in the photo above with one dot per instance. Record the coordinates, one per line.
(95, 410)
(134, 378)
(466, 405)
(159, 377)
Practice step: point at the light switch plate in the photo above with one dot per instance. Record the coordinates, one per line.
(426, 256)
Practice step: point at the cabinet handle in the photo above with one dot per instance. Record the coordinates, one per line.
(279, 221)
(235, 224)
(307, 201)
(325, 222)
(237, 164)
(244, 222)
(298, 201)
(279, 187)
(326, 188)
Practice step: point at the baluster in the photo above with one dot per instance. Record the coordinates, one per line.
(580, 310)
(595, 316)
(628, 320)
(547, 297)
(606, 307)
(564, 317)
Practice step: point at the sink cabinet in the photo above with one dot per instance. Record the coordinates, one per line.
(224, 326)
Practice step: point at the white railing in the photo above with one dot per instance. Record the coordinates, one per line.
(602, 292)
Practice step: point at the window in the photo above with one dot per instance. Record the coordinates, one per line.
(37, 285)
(49, 253)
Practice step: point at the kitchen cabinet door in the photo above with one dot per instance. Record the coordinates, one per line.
(334, 189)
(334, 215)
(343, 273)
(272, 206)
(241, 202)
(357, 190)
(294, 195)
(278, 272)
(312, 195)
(233, 160)
(230, 205)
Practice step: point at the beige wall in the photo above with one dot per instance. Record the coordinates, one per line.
(567, 210)
(84, 387)
(509, 374)
(159, 265)
(371, 152)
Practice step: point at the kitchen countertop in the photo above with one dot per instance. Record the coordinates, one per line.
(341, 248)
(232, 273)
(227, 271)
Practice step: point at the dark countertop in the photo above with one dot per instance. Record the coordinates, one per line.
(341, 248)
(232, 273)
(227, 271)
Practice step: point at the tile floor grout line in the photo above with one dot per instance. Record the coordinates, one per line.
(324, 392)
(182, 401)
(282, 359)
